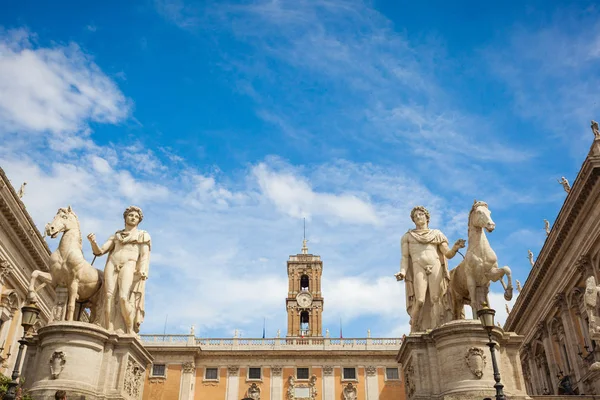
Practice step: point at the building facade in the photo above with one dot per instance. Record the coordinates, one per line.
(302, 365)
(22, 251)
(551, 312)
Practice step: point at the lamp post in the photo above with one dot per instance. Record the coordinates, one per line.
(486, 316)
(29, 317)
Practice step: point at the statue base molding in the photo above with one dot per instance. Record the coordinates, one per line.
(87, 361)
(453, 362)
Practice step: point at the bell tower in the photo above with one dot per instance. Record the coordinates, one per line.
(304, 301)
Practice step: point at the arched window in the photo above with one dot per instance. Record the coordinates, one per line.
(304, 323)
(304, 282)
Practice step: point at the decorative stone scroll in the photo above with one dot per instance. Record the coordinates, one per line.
(233, 371)
(57, 363)
(583, 265)
(371, 370)
(276, 370)
(5, 270)
(133, 379)
(188, 367)
(475, 359)
(327, 370)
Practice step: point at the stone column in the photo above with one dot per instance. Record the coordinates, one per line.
(188, 373)
(570, 335)
(550, 357)
(535, 379)
(328, 383)
(372, 388)
(233, 383)
(276, 383)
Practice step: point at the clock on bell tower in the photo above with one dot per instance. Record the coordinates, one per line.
(304, 301)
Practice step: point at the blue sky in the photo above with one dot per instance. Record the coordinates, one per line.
(228, 122)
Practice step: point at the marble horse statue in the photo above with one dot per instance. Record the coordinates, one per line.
(470, 280)
(69, 268)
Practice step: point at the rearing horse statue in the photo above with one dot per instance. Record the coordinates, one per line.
(69, 268)
(470, 280)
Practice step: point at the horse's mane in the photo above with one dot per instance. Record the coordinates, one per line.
(67, 211)
(475, 205)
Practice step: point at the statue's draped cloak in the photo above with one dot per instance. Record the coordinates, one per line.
(435, 237)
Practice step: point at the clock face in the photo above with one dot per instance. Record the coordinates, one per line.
(304, 299)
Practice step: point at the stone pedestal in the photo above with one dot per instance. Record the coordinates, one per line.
(453, 362)
(85, 360)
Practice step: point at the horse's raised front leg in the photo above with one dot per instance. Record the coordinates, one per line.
(45, 277)
(496, 274)
(72, 299)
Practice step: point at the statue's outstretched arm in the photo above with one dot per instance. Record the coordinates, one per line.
(101, 250)
(451, 252)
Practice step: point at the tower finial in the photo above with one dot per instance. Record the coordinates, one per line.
(304, 247)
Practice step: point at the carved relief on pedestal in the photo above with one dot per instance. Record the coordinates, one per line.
(349, 392)
(409, 380)
(253, 392)
(133, 379)
(371, 370)
(57, 363)
(188, 367)
(327, 370)
(475, 359)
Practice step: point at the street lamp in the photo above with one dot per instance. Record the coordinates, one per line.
(29, 315)
(486, 316)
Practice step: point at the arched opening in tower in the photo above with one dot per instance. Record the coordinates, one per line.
(304, 282)
(304, 323)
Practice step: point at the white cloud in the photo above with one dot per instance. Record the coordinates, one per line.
(294, 196)
(55, 89)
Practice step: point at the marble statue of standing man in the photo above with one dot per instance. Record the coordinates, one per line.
(125, 273)
(425, 269)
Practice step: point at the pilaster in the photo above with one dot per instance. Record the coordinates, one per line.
(328, 383)
(188, 373)
(233, 383)
(372, 384)
(276, 383)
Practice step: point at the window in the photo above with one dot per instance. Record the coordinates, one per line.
(158, 370)
(254, 373)
(211, 374)
(392, 374)
(304, 324)
(349, 374)
(302, 373)
(304, 282)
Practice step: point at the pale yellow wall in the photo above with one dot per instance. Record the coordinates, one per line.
(164, 389)
(265, 385)
(318, 372)
(390, 390)
(210, 390)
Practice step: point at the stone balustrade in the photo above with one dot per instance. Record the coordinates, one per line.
(250, 344)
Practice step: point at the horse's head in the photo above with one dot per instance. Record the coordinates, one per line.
(481, 216)
(64, 220)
